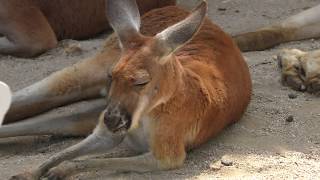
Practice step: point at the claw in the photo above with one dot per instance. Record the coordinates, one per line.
(294, 82)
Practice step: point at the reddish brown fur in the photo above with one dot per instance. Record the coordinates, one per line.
(73, 22)
(207, 80)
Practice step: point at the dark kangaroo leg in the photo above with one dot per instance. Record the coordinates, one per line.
(84, 80)
(26, 31)
(80, 124)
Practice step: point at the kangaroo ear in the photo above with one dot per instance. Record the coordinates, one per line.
(177, 35)
(124, 18)
(5, 100)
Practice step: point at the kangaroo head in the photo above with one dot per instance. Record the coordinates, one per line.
(146, 74)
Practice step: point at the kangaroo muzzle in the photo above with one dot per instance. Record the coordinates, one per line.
(117, 119)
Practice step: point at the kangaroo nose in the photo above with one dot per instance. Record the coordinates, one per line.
(117, 120)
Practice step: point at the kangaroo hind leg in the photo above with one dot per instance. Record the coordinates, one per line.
(301, 26)
(26, 30)
(84, 80)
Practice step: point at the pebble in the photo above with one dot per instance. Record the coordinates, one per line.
(289, 118)
(292, 96)
(215, 167)
(73, 49)
(226, 162)
(222, 9)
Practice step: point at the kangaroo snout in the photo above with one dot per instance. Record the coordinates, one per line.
(116, 118)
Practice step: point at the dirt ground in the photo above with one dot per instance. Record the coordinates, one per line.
(261, 146)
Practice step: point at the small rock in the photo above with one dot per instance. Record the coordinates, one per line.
(274, 57)
(73, 49)
(222, 9)
(260, 170)
(226, 162)
(42, 151)
(292, 96)
(289, 118)
(237, 11)
(216, 166)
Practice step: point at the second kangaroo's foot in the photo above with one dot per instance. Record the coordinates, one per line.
(300, 70)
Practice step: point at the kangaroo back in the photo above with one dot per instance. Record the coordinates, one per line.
(82, 18)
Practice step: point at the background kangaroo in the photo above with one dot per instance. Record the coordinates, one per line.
(31, 27)
(178, 58)
(300, 70)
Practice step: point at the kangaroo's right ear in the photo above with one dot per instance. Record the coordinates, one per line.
(177, 35)
(124, 17)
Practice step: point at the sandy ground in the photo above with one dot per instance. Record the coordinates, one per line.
(261, 146)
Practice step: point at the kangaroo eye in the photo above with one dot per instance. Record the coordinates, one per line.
(141, 78)
(141, 82)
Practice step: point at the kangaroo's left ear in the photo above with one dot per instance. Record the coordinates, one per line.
(177, 35)
(124, 17)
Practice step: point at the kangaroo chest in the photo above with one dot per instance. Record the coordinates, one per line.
(138, 139)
